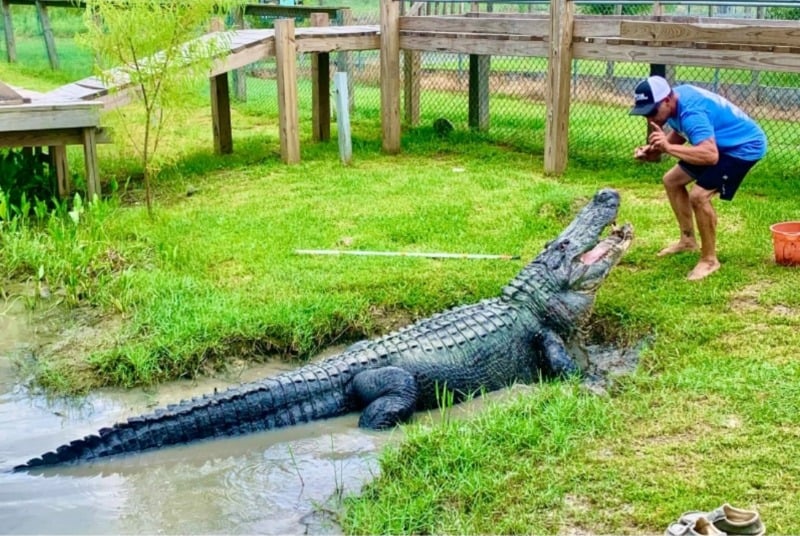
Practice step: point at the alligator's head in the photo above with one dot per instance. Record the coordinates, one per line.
(561, 281)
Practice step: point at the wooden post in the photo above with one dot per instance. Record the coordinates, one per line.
(412, 63)
(344, 62)
(58, 161)
(8, 27)
(479, 68)
(286, 63)
(221, 114)
(556, 143)
(49, 41)
(390, 75)
(90, 159)
(343, 118)
(320, 87)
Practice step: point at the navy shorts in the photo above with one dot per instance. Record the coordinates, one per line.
(725, 176)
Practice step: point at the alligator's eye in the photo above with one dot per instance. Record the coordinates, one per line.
(563, 245)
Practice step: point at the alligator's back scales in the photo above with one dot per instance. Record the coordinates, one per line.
(520, 336)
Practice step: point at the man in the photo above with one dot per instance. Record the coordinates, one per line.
(724, 143)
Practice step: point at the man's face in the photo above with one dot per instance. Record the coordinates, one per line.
(661, 112)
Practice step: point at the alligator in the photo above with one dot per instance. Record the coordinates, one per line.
(530, 332)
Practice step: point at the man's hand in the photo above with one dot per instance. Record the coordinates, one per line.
(657, 138)
(646, 153)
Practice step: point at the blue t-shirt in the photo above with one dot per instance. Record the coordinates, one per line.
(702, 115)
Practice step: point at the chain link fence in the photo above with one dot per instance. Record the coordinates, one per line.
(601, 91)
(600, 127)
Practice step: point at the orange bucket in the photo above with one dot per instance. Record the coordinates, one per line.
(786, 240)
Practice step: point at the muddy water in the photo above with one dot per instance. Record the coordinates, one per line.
(267, 483)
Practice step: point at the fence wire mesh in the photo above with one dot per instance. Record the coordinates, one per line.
(601, 91)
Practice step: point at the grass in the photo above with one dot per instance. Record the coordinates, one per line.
(710, 416)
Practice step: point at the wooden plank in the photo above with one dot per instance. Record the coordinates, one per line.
(320, 88)
(390, 75)
(468, 45)
(556, 139)
(257, 52)
(540, 27)
(90, 161)
(286, 61)
(47, 32)
(10, 96)
(720, 33)
(49, 137)
(731, 59)
(36, 116)
(221, 114)
(8, 29)
(595, 28)
(339, 43)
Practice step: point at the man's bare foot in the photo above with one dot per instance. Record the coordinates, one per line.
(678, 247)
(704, 268)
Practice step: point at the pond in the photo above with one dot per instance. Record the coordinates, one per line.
(276, 482)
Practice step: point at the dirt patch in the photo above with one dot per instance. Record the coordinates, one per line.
(747, 301)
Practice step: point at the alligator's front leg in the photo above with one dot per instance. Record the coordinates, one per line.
(556, 357)
(389, 395)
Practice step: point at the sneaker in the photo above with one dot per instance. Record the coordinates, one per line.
(731, 520)
(699, 526)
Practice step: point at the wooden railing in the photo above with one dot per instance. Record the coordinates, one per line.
(338, 15)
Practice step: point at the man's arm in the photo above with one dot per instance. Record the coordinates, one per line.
(704, 153)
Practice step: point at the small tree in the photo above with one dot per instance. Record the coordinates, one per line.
(156, 50)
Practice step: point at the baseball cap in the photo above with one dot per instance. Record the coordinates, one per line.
(648, 94)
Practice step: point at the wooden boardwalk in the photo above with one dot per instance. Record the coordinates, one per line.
(244, 47)
(70, 114)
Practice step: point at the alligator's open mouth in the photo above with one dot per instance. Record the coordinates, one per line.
(612, 247)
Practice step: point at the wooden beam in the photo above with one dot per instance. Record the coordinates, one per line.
(390, 75)
(479, 68)
(49, 137)
(504, 26)
(730, 59)
(221, 114)
(90, 161)
(47, 32)
(556, 141)
(286, 63)
(35, 116)
(320, 87)
(58, 161)
(474, 44)
(713, 33)
(8, 29)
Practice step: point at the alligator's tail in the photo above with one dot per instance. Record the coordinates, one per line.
(310, 393)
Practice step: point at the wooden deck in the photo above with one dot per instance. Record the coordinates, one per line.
(43, 122)
(70, 114)
(245, 47)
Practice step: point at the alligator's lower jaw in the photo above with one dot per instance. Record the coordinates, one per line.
(619, 240)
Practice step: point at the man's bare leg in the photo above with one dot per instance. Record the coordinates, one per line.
(675, 181)
(706, 217)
